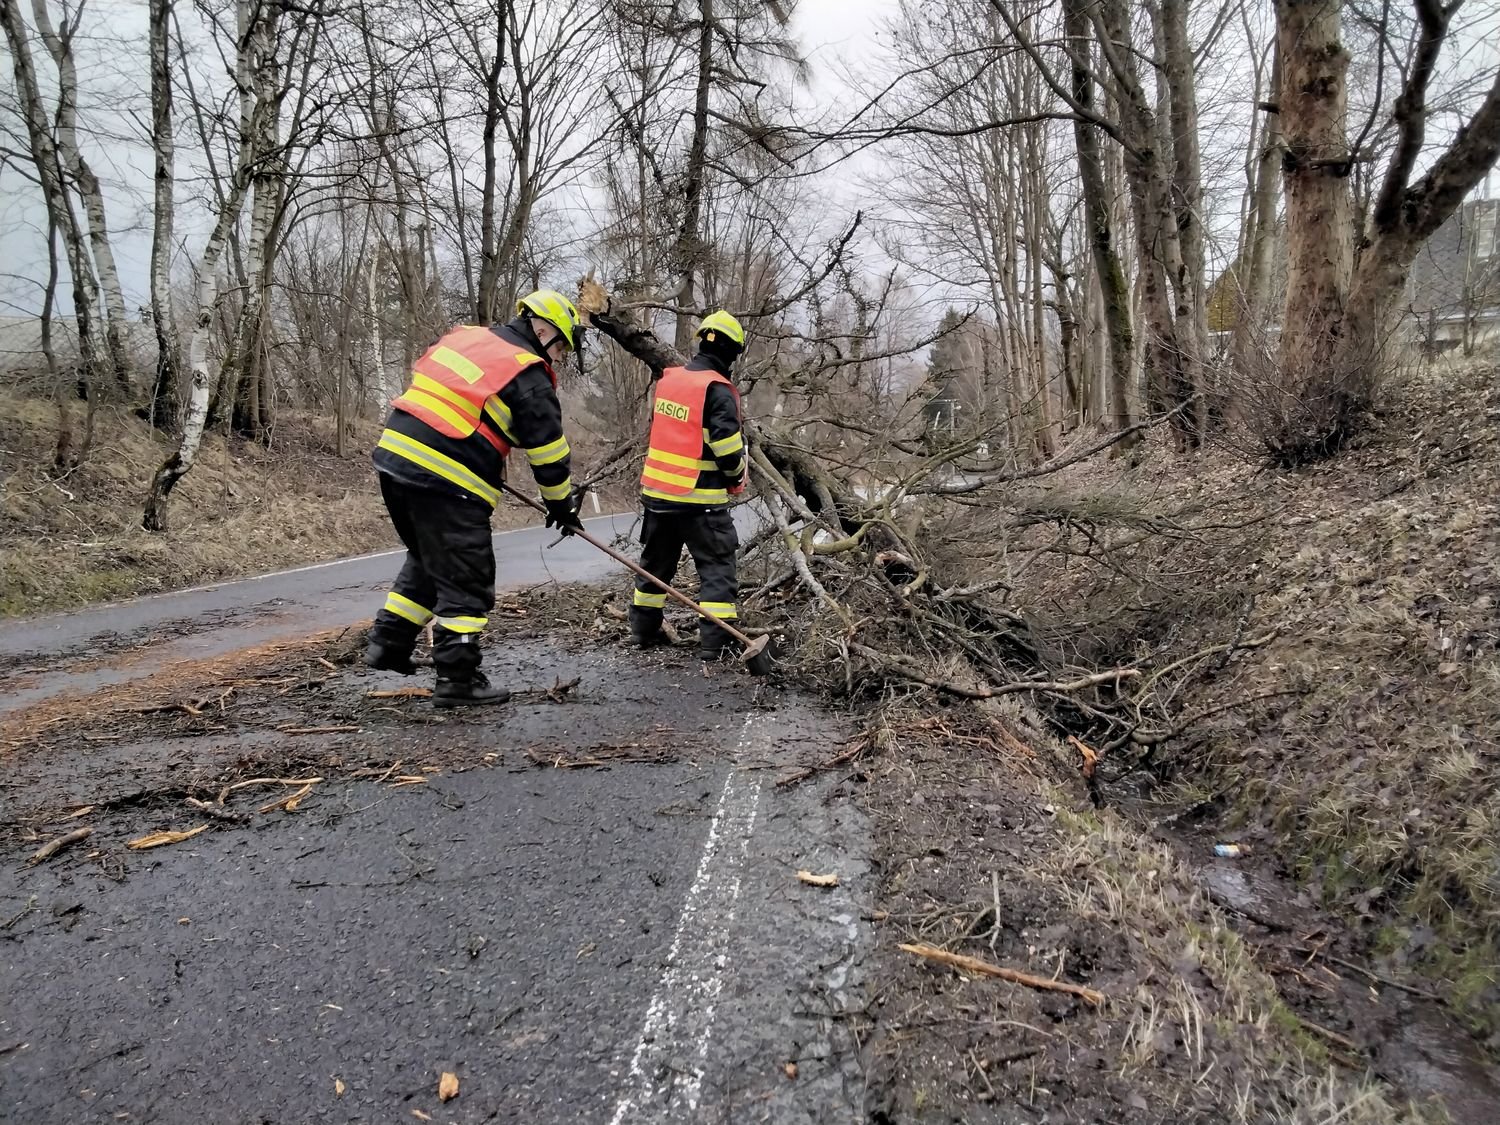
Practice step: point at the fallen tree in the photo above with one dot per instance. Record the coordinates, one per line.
(893, 568)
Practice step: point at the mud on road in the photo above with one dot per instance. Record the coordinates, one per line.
(583, 904)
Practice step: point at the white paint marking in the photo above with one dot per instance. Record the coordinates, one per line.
(665, 1079)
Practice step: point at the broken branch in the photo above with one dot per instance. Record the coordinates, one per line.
(975, 965)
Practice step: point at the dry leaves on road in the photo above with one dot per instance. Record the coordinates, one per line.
(339, 1087)
(447, 1086)
(160, 839)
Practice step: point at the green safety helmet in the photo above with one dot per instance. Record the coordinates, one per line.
(721, 323)
(556, 310)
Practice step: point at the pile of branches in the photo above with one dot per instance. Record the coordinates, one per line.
(875, 590)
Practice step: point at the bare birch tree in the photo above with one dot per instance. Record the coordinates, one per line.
(164, 386)
(59, 42)
(257, 80)
(52, 177)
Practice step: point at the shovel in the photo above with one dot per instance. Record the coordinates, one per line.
(754, 654)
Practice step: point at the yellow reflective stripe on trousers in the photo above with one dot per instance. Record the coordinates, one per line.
(697, 496)
(462, 624)
(723, 610)
(650, 601)
(679, 461)
(402, 606)
(732, 444)
(550, 453)
(557, 491)
(439, 464)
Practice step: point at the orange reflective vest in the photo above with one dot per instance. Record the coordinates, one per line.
(678, 453)
(453, 382)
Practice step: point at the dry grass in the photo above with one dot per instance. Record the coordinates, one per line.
(1372, 773)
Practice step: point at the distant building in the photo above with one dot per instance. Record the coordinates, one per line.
(1453, 292)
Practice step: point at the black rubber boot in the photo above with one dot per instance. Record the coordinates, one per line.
(386, 659)
(476, 691)
(648, 640)
(717, 652)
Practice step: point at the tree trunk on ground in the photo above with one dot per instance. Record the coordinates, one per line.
(60, 46)
(164, 387)
(1113, 285)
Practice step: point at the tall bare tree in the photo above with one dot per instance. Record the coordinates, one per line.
(1340, 297)
(256, 75)
(59, 41)
(164, 387)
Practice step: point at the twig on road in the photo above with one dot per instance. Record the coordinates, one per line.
(52, 847)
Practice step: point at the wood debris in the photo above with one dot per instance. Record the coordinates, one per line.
(290, 802)
(52, 847)
(818, 880)
(447, 1086)
(161, 839)
(401, 693)
(228, 789)
(978, 967)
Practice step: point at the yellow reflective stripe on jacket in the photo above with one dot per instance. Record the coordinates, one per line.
(422, 382)
(697, 496)
(499, 413)
(557, 491)
(402, 606)
(465, 368)
(550, 453)
(680, 461)
(439, 464)
(722, 610)
(462, 624)
(650, 601)
(460, 422)
(651, 472)
(526, 359)
(724, 446)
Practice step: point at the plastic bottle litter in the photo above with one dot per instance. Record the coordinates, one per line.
(1228, 851)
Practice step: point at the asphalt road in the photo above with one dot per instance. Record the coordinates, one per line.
(627, 943)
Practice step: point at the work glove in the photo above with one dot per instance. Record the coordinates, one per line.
(740, 485)
(563, 514)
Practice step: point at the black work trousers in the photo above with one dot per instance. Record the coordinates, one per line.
(711, 539)
(448, 576)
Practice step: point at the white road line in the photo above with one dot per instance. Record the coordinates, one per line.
(665, 1079)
